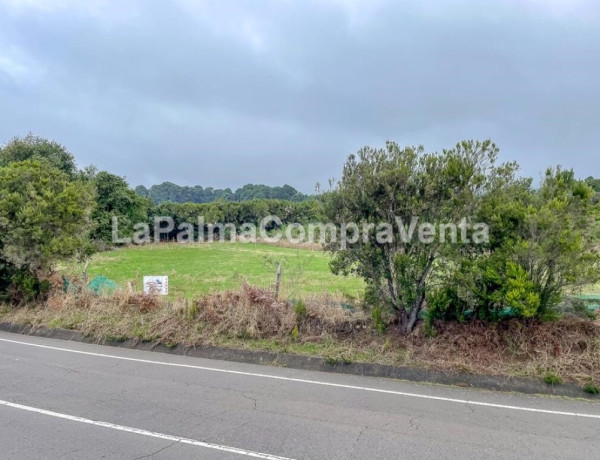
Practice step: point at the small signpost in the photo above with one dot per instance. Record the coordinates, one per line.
(156, 285)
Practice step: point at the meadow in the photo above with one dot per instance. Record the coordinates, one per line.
(204, 268)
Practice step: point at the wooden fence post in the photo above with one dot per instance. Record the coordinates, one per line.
(278, 282)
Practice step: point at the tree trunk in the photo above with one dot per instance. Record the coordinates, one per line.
(413, 317)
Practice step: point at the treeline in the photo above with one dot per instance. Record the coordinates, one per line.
(236, 213)
(168, 191)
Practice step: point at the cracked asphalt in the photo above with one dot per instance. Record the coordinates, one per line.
(334, 418)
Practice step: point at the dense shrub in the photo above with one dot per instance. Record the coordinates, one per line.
(26, 287)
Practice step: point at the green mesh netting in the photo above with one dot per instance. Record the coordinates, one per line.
(102, 285)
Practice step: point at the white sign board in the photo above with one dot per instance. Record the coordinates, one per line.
(156, 285)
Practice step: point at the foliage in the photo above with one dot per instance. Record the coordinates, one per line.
(445, 304)
(550, 378)
(381, 185)
(594, 183)
(556, 242)
(591, 389)
(295, 333)
(378, 322)
(300, 310)
(116, 199)
(7, 271)
(515, 289)
(19, 263)
(44, 216)
(489, 288)
(33, 147)
(542, 244)
(236, 213)
(167, 191)
(26, 287)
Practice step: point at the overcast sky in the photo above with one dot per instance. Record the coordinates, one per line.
(223, 93)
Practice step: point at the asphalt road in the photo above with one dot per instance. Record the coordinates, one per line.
(62, 399)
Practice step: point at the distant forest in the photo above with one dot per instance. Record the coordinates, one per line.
(167, 191)
(594, 183)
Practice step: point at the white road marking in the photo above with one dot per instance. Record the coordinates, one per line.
(152, 434)
(312, 382)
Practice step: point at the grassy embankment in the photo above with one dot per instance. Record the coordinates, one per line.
(212, 306)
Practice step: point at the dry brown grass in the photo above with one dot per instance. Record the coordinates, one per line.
(256, 313)
(251, 312)
(135, 302)
(569, 347)
(325, 318)
(254, 318)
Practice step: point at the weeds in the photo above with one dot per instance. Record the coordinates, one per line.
(252, 318)
(251, 313)
(591, 389)
(550, 378)
(300, 310)
(378, 322)
(295, 334)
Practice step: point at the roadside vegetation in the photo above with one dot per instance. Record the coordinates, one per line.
(509, 304)
(566, 350)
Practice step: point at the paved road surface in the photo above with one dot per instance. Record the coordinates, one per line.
(62, 399)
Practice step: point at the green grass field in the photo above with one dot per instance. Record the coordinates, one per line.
(196, 269)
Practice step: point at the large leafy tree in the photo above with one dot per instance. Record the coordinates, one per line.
(384, 185)
(44, 215)
(116, 199)
(33, 147)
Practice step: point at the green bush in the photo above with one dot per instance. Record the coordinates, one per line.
(300, 310)
(592, 389)
(7, 271)
(378, 322)
(541, 244)
(26, 287)
(552, 379)
(490, 289)
(44, 216)
(520, 292)
(445, 304)
(295, 333)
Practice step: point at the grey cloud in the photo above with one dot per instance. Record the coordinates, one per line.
(226, 93)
